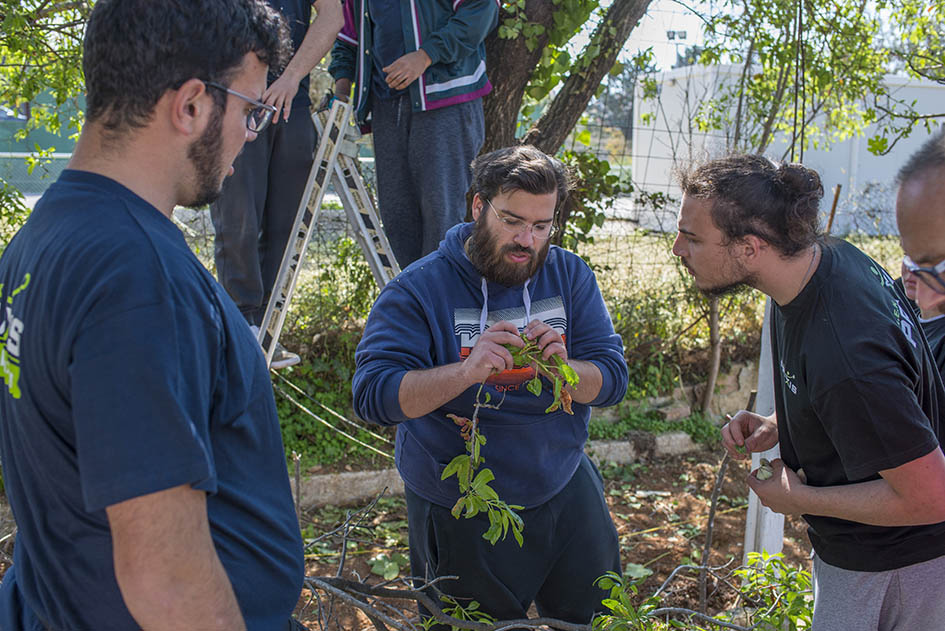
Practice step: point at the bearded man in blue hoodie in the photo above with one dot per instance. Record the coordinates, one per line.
(437, 332)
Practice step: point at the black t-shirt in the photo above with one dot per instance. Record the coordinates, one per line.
(298, 14)
(935, 333)
(857, 393)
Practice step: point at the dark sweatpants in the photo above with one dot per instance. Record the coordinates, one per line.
(422, 164)
(569, 541)
(254, 216)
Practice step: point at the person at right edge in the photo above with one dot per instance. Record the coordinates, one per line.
(858, 400)
(419, 70)
(928, 286)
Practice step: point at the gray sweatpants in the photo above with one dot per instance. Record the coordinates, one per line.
(422, 163)
(254, 216)
(910, 598)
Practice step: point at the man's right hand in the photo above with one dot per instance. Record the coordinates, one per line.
(751, 431)
(489, 356)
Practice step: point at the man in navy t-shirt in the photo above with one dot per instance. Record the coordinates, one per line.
(141, 450)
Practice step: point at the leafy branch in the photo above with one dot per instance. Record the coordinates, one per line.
(476, 494)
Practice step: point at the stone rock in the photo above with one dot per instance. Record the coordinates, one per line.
(675, 412)
(674, 443)
(346, 488)
(617, 451)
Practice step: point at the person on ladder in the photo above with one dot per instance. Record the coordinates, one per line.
(253, 218)
(420, 74)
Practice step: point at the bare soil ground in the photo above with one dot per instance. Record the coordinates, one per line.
(660, 508)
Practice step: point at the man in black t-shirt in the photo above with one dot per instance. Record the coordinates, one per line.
(254, 215)
(858, 400)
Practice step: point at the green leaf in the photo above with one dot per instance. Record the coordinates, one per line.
(637, 571)
(484, 477)
(455, 465)
(566, 371)
(534, 386)
(387, 566)
(517, 533)
(488, 493)
(457, 509)
(877, 145)
(492, 534)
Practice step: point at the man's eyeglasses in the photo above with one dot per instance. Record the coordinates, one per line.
(258, 117)
(931, 276)
(540, 231)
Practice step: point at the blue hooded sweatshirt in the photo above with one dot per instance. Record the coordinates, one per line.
(431, 315)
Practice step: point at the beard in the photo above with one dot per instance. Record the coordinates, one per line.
(744, 282)
(725, 290)
(204, 155)
(489, 259)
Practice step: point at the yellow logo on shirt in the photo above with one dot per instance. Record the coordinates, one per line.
(11, 331)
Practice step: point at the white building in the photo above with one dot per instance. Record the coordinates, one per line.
(665, 137)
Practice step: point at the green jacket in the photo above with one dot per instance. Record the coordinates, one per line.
(451, 32)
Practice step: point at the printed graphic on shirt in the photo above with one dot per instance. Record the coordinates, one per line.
(898, 311)
(466, 327)
(788, 378)
(11, 331)
(905, 324)
(884, 278)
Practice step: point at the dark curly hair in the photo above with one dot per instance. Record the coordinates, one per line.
(777, 202)
(520, 168)
(136, 50)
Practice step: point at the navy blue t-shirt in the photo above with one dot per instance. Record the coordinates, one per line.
(298, 15)
(127, 370)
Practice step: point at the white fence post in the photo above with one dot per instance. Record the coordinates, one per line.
(764, 529)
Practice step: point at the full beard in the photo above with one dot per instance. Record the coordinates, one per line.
(491, 262)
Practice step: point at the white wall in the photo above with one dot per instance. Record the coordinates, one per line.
(868, 181)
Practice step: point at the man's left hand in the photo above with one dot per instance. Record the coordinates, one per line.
(779, 492)
(406, 69)
(547, 339)
(280, 95)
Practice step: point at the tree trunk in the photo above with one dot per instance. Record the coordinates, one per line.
(715, 354)
(551, 130)
(509, 65)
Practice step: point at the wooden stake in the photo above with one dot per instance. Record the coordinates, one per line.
(833, 207)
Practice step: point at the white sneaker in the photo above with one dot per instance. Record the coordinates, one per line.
(281, 357)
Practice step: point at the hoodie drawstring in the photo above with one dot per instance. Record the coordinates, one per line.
(484, 313)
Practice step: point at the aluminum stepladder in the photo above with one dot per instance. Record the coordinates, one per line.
(335, 161)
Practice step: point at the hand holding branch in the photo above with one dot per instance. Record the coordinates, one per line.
(751, 431)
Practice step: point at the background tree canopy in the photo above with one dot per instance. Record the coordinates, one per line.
(548, 58)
